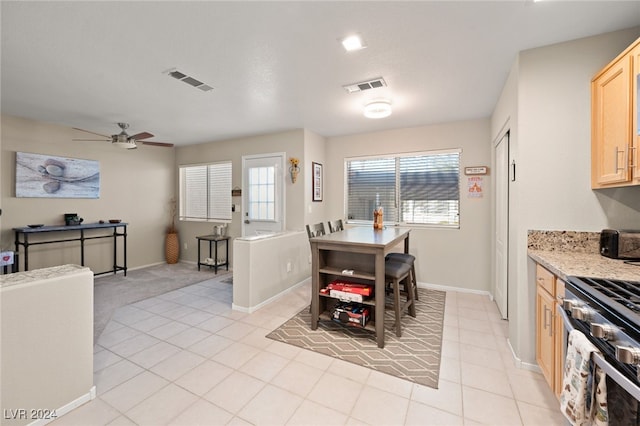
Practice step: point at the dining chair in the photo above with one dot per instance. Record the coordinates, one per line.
(395, 273)
(409, 259)
(316, 230)
(336, 226)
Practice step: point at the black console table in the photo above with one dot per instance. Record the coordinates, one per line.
(27, 231)
(213, 239)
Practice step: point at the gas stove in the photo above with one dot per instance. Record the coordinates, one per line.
(607, 311)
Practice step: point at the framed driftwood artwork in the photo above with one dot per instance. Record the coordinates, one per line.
(47, 176)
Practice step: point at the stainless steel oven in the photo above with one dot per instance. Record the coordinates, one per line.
(608, 313)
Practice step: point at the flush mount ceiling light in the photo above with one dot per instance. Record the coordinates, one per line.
(380, 108)
(352, 42)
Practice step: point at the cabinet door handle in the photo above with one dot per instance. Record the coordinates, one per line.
(547, 324)
(632, 150)
(617, 154)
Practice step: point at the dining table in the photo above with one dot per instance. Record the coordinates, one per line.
(357, 253)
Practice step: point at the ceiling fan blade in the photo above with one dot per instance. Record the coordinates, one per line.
(143, 135)
(93, 140)
(163, 144)
(93, 133)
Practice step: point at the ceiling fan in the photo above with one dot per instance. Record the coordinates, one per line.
(123, 140)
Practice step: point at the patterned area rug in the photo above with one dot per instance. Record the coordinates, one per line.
(415, 356)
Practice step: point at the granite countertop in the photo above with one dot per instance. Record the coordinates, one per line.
(566, 263)
(567, 253)
(26, 277)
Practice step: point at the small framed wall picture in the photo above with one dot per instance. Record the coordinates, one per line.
(476, 170)
(316, 181)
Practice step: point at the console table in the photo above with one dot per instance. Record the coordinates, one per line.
(356, 254)
(23, 234)
(213, 239)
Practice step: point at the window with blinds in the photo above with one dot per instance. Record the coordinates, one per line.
(422, 188)
(205, 192)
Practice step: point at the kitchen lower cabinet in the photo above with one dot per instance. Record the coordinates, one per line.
(549, 328)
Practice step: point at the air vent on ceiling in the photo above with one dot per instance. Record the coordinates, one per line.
(365, 85)
(189, 80)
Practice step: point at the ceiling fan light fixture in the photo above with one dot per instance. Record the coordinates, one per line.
(127, 144)
(379, 108)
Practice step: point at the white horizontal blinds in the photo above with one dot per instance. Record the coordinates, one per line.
(262, 198)
(194, 196)
(371, 183)
(205, 192)
(419, 188)
(220, 191)
(430, 189)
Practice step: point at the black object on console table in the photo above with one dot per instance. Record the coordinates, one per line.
(27, 231)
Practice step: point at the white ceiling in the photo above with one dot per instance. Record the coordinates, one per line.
(274, 65)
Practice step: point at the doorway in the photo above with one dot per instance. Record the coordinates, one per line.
(501, 290)
(262, 194)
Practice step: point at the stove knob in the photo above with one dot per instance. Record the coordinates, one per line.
(628, 355)
(603, 331)
(568, 305)
(582, 314)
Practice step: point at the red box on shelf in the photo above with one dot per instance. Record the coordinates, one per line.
(349, 287)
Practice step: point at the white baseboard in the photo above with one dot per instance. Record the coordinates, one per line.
(520, 363)
(456, 289)
(251, 309)
(129, 269)
(83, 399)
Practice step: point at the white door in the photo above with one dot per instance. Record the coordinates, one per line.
(262, 194)
(502, 225)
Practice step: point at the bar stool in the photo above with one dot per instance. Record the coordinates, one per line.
(316, 230)
(409, 259)
(395, 273)
(336, 226)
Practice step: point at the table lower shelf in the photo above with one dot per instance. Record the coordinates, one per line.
(326, 316)
(367, 302)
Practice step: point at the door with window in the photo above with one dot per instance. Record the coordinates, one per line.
(262, 194)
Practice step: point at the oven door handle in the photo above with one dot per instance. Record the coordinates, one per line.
(565, 319)
(614, 374)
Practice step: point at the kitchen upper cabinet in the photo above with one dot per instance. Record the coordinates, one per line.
(635, 92)
(549, 328)
(614, 122)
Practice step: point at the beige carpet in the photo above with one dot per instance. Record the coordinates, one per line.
(415, 356)
(114, 291)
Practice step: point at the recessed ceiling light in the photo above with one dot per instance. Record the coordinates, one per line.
(380, 108)
(352, 42)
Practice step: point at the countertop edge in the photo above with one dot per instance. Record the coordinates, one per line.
(568, 263)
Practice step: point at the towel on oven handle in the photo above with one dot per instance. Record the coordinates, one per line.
(583, 400)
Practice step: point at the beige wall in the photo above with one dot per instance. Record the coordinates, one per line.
(448, 257)
(314, 151)
(135, 186)
(551, 142)
(290, 142)
(46, 355)
(267, 267)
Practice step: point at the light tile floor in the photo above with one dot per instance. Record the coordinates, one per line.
(186, 358)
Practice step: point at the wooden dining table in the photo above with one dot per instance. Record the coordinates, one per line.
(357, 254)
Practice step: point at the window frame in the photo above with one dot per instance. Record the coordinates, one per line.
(210, 216)
(397, 221)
